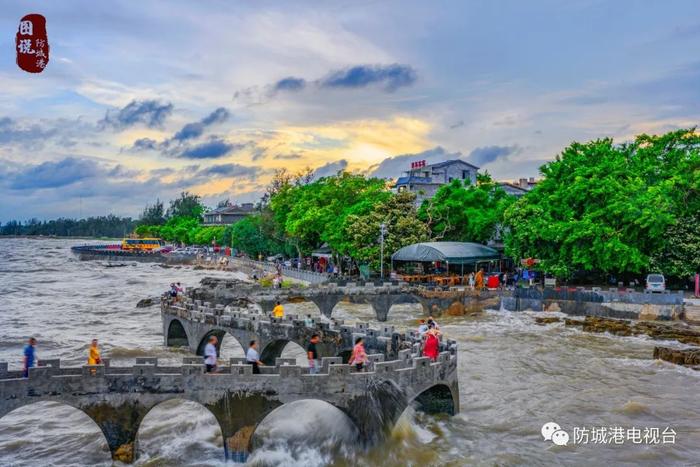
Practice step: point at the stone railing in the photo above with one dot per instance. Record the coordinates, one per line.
(200, 319)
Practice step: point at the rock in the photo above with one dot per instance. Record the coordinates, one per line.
(554, 306)
(687, 357)
(547, 320)
(692, 314)
(145, 303)
(240, 442)
(648, 312)
(654, 329)
(124, 453)
(455, 309)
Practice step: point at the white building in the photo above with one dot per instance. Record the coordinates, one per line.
(425, 180)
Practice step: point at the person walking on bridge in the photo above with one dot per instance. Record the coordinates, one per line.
(94, 357)
(431, 347)
(253, 357)
(312, 354)
(278, 311)
(210, 357)
(29, 356)
(358, 356)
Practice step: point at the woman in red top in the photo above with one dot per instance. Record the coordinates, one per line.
(431, 348)
(358, 356)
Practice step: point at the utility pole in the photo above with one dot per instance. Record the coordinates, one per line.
(382, 233)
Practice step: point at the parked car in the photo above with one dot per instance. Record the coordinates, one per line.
(655, 283)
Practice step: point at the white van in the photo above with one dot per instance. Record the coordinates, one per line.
(655, 283)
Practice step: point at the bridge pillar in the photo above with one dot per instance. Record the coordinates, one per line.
(238, 415)
(120, 424)
(326, 303)
(376, 412)
(381, 304)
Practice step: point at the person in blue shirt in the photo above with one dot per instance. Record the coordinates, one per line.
(29, 356)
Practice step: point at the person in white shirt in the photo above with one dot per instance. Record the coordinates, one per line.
(253, 357)
(210, 354)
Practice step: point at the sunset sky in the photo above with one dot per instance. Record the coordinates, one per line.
(144, 99)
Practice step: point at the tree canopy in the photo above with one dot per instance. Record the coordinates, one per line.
(463, 212)
(608, 207)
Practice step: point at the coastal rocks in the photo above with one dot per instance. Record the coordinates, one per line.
(692, 314)
(552, 306)
(240, 442)
(146, 302)
(547, 320)
(654, 329)
(124, 453)
(686, 357)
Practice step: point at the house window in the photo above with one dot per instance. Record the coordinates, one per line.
(450, 179)
(465, 174)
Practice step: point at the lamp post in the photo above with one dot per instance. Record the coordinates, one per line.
(382, 232)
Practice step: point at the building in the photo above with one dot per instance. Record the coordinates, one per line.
(520, 187)
(226, 215)
(424, 180)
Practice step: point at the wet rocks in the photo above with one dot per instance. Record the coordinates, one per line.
(124, 453)
(686, 357)
(547, 320)
(146, 302)
(654, 329)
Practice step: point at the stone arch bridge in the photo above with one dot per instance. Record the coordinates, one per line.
(118, 398)
(190, 323)
(380, 296)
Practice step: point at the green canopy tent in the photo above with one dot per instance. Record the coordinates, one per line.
(448, 252)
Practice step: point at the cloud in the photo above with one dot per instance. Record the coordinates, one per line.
(289, 84)
(393, 167)
(52, 174)
(291, 156)
(330, 169)
(196, 129)
(230, 170)
(12, 131)
(391, 77)
(144, 144)
(212, 149)
(147, 112)
(487, 154)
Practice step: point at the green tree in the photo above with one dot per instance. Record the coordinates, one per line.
(398, 213)
(463, 212)
(606, 207)
(153, 214)
(186, 205)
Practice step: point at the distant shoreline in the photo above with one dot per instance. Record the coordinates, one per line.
(58, 237)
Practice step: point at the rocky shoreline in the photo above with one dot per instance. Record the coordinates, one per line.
(680, 332)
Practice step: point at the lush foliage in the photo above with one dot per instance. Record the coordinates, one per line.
(462, 212)
(103, 226)
(611, 208)
(398, 214)
(186, 205)
(153, 215)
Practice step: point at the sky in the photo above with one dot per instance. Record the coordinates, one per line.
(143, 100)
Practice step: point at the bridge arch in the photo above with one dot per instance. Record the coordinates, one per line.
(61, 430)
(438, 398)
(294, 423)
(278, 348)
(176, 335)
(188, 420)
(226, 341)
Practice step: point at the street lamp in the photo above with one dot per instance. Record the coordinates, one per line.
(382, 232)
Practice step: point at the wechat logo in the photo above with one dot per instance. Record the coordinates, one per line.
(553, 432)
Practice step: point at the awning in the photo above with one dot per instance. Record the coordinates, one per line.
(452, 252)
(323, 252)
